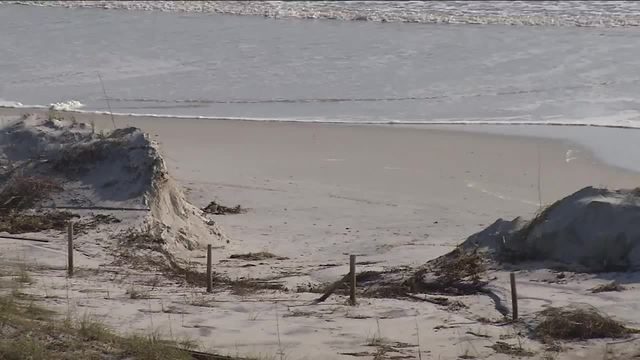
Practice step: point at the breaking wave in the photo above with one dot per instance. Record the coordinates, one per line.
(532, 13)
(66, 105)
(626, 119)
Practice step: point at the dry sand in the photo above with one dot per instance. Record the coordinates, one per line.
(316, 193)
(308, 183)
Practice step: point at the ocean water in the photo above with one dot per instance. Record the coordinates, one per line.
(417, 62)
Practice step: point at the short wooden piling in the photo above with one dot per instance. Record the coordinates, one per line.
(209, 270)
(352, 279)
(514, 296)
(70, 249)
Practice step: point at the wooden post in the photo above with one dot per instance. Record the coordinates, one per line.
(70, 249)
(352, 279)
(514, 296)
(209, 272)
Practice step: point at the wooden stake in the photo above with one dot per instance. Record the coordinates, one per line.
(209, 270)
(352, 279)
(70, 249)
(514, 296)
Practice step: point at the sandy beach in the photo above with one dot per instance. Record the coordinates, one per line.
(324, 180)
(316, 194)
(310, 181)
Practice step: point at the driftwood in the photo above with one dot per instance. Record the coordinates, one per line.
(199, 355)
(23, 238)
(331, 289)
(434, 300)
(106, 208)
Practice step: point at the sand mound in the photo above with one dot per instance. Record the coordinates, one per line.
(120, 169)
(590, 230)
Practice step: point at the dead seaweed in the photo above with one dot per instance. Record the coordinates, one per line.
(217, 209)
(578, 323)
(511, 350)
(458, 273)
(612, 286)
(142, 249)
(258, 256)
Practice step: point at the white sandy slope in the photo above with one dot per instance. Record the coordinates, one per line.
(118, 169)
(592, 229)
(318, 193)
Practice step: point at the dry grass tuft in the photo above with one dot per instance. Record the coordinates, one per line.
(460, 266)
(578, 324)
(23, 222)
(243, 287)
(201, 301)
(136, 294)
(95, 221)
(91, 330)
(20, 223)
(77, 159)
(152, 348)
(24, 347)
(25, 192)
(140, 239)
(144, 250)
(514, 254)
(31, 332)
(457, 273)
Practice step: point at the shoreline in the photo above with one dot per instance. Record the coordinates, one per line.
(399, 173)
(507, 122)
(166, 127)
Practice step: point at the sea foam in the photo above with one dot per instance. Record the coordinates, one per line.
(532, 13)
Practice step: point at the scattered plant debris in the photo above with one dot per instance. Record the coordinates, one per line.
(612, 286)
(141, 239)
(242, 287)
(77, 159)
(578, 324)
(25, 192)
(478, 334)
(135, 293)
(508, 349)
(263, 255)
(142, 249)
(217, 209)
(20, 223)
(457, 273)
(93, 222)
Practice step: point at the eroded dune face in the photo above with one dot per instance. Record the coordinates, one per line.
(118, 169)
(592, 229)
